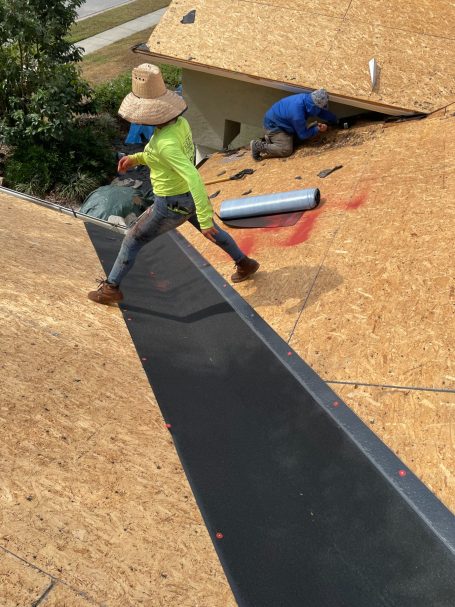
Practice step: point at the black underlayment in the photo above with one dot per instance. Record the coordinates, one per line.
(298, 512)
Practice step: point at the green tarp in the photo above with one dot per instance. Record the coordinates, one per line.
(115, 200)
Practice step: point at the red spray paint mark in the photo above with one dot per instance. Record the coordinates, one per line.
(219, 536)
(168, 426)
(162, 285)
(402, 472)
(303, 229)
(357, 202)
(247, 243)
(336, 403)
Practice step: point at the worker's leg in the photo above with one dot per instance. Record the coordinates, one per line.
(245, 266)
(278, 144)
(157, 220)
(223, 240)
(275, 144)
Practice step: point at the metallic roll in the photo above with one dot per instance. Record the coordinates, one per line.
(269, 204)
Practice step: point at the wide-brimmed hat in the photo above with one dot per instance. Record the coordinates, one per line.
(150, 102)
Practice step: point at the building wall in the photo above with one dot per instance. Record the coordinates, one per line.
(224, 112)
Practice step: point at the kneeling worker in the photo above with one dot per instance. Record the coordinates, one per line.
(287, 119)
(180, 194)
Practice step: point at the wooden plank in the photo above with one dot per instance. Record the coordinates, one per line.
(329, 7)
(415, 71)
(62, 596)
(315, 49)
(430, 17)
(93, 490)
(222, 36)
(20, 584)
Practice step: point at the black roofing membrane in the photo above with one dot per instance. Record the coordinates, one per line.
(299, 513)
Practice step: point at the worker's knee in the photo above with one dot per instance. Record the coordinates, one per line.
(285, 150)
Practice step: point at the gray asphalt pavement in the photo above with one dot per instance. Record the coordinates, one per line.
(92, 7)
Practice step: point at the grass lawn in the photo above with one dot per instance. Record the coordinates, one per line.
(116, 16)
(111, 61)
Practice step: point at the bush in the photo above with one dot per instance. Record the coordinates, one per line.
(108, 96)
(71, 168)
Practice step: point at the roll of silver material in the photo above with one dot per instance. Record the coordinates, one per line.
(268, 204)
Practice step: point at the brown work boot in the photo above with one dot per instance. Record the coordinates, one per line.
(106, 293)
(244, 269)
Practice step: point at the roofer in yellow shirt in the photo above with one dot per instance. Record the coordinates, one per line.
(180, 194)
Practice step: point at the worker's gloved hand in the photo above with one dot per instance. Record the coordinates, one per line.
(210, 233)
(322, 127)
(124, 164)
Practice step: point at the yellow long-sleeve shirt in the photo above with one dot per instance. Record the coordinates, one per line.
(169, 155)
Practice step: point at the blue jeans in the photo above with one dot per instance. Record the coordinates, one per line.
(157, 220)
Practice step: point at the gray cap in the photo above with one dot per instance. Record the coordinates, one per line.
(320, 98)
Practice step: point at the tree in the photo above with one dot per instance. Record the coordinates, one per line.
(40, 87)
(54, 147)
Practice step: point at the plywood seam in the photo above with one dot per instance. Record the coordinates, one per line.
(331, 241)
(392, 386)
(291, 10)
(44, 595)
(347, 10)
(54, 580)
(399, 29)
(311, 287)
(19, 558)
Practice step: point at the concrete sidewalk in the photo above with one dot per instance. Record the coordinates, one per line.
(90, 45)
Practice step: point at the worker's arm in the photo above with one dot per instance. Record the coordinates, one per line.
(128, 162)
(139, 158)
(326, 115)
(302, 131)
(176, 160)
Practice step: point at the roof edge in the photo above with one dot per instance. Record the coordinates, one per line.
(276, 84)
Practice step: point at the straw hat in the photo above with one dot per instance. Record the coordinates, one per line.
(150, 102)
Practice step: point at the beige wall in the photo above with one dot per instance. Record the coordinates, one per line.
(215, 103)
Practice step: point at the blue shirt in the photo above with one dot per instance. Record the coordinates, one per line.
(291, 113)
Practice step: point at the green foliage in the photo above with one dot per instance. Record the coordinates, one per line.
(71, 168)
(108, 96)
(55, 145)
(30, 169)
(172, 75)
(79, 186)
(40, 90)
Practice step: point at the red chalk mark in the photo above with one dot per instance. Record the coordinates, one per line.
(162, 285)
(219, 535)
(357, 201)
(303, 229)
(247, 243)
(289, 353)
(168, 426)
(402, 472)
(336, 403)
